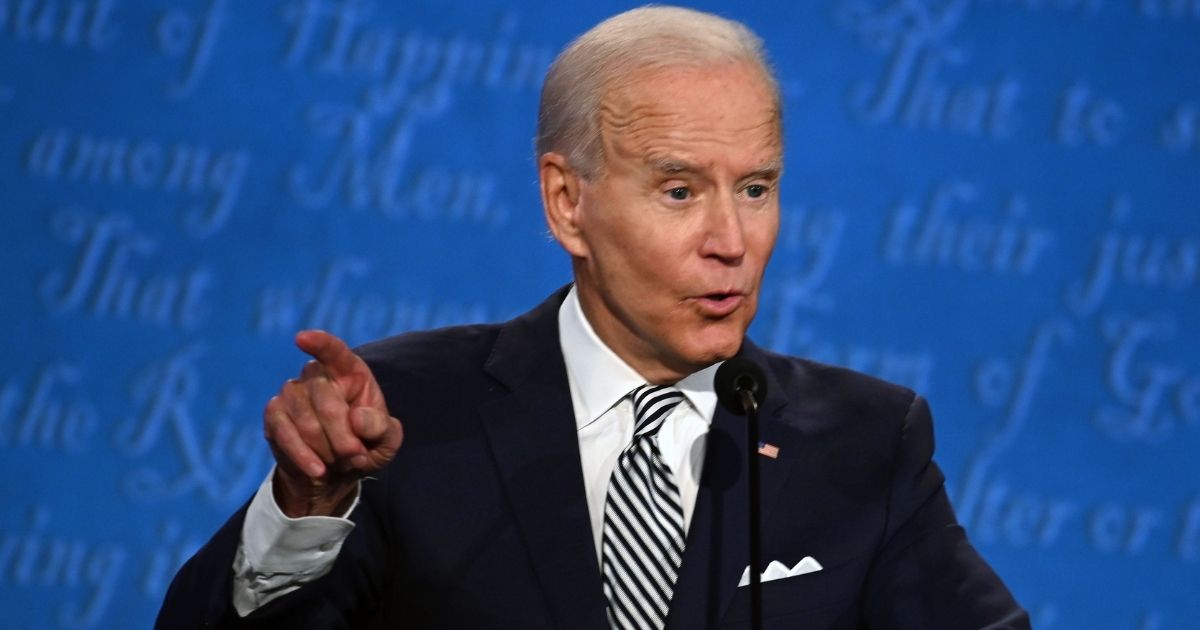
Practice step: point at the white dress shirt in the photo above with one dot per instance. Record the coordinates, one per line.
(600, 385)
(278, 554)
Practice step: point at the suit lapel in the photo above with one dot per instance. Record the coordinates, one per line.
(718, 542)
(533, 438)
(532, 435)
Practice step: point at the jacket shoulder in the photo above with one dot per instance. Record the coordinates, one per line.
(839, 389)
(438, 353)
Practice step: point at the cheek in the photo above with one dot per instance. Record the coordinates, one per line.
(647, 255)
(762, 239)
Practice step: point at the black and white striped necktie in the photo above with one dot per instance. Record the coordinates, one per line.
(643, 520)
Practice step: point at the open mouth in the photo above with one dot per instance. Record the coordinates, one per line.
(720, 296)
(720, 303)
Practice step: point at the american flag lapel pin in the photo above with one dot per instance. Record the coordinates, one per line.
(768, 450)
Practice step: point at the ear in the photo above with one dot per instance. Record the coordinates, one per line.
(561, 197)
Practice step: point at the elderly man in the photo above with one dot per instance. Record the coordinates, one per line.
(570, 468)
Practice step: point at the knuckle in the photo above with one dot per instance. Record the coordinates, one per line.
(310, 369)
(295, 399)
(290, 388)
(331, 408)
(273, 423)
(346, 447)
(308, 427)
(305, 422)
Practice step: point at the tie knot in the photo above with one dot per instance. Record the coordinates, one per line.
(651, 404)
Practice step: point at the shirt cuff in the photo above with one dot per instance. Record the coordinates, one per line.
(276, 543)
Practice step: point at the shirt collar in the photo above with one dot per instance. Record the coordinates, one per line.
(602, 378)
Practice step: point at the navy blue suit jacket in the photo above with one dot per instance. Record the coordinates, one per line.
(481, 519)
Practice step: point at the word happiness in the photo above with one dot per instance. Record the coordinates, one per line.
(343, 38)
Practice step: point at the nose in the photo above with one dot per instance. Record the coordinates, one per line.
(724, 238)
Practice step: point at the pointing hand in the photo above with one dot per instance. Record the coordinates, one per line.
(327, 429)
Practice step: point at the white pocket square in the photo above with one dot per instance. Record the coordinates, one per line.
(777, 570)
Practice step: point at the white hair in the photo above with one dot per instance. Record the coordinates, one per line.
(649, 37)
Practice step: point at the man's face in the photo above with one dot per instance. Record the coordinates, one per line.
(674, 234)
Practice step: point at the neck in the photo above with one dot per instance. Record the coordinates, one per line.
(634, 351)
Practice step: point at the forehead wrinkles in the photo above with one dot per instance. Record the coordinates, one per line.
(635, 125)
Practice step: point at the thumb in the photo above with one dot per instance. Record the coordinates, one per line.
(378, 430)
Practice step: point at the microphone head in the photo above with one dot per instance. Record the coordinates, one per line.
(735, 375)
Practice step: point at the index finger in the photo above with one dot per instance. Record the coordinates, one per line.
(333, 353)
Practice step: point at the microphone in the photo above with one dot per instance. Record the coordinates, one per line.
(741, 387)
(736, 378)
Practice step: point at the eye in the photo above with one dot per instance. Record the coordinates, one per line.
(755, 191)
(679, 193)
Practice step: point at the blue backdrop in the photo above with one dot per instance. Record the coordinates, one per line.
(992, 201)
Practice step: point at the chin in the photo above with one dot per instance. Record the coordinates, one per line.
(718, 345)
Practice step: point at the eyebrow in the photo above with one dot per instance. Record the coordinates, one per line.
(675, 166)
(672, 166)
(771, 170)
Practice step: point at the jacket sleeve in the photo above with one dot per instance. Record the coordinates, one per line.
(201, 595)
(926, 574)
